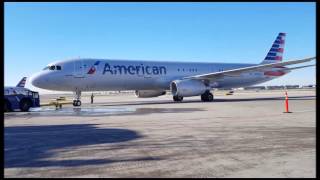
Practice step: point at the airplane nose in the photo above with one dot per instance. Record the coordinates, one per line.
(36, 80)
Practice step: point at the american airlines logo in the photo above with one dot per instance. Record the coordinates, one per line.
(93, 69)
(134, 70)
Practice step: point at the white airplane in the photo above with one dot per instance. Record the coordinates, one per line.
(153, 78)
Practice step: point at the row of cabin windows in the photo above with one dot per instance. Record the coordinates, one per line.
(59, 68)
(52, 68)
(190, 70)
(193, 70)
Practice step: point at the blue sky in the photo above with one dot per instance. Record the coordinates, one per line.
(39, 33)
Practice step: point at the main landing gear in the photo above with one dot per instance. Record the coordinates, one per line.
(177, 98)
(207, 97)
(77, 96)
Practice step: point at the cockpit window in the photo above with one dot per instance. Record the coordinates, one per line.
(52, 67)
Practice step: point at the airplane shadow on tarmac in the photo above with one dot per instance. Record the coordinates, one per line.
(199, 101)
(31, 146)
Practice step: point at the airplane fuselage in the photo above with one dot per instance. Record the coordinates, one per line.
(105, 75)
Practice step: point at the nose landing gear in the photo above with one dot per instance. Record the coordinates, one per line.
(77, 97)
(76, 103)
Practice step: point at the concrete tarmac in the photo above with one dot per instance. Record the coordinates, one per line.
(241, 135)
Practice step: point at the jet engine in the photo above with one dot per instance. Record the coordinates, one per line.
(149, 93)
(187, 88)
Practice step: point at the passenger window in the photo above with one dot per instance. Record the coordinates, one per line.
(58, 67)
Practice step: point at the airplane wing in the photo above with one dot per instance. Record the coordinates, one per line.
(238, 71)
(300, 67)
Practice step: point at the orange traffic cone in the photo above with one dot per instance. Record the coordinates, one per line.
(287, 103)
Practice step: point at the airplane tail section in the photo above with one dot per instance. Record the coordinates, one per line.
(22, 82)
(276, 51)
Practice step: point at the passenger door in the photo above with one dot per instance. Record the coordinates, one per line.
(78, 69)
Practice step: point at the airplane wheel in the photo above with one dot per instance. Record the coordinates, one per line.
(203, 97)
(177, 98)
(210, 97)
(207, 97)
(76, 103)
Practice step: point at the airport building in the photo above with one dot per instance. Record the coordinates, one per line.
(275, 87)
(292, 86)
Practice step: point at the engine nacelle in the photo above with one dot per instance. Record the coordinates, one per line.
(149, 93)
(187, 88)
